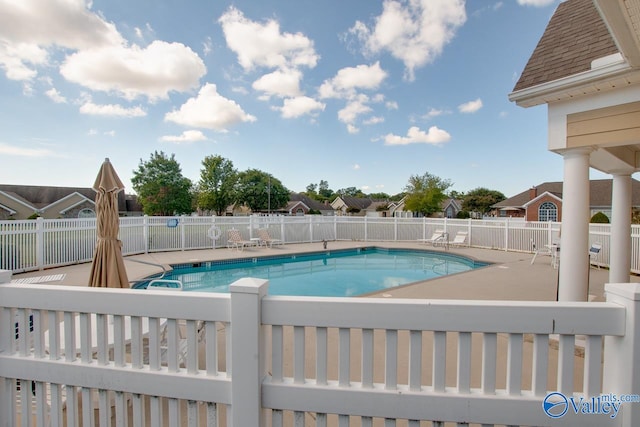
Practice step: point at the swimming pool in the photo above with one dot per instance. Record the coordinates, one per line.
(348, 272)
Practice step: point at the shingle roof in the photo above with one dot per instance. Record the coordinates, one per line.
(311, 203)
(41, 196)
(600, 193)
(575, 36)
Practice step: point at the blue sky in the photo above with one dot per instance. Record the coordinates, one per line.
(359, 93)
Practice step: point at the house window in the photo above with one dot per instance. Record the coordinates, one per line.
(86, 213)
(548, 212)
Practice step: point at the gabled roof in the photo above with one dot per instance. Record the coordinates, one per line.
(311, 203)
(576, 35)
(40, 196)
(542, 196)
(600, 194)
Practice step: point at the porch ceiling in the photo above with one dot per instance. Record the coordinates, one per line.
(616, 159)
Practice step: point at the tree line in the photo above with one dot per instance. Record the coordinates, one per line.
(163, 190)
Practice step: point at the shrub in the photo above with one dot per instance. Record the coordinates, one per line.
(599, 218)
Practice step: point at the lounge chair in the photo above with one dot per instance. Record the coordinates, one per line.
(594, 253)
(235, 240)
(266, 239)
(437, 237)
(460, 239)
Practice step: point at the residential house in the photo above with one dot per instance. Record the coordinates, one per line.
(360, 206)
(25, 201)
(301, 204)
(544, 202)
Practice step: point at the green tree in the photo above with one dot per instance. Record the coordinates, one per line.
(426, 193)
(261, 191)
(379, 196)
(324, 191)
(351, 191)
(481, 199)
(216, 188)
(161, 188)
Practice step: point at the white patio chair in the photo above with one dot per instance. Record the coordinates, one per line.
(594, 254)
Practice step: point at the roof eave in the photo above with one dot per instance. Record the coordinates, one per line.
(559, 89)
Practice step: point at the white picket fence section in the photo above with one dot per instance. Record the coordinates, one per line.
(28, 245)
(141, 357)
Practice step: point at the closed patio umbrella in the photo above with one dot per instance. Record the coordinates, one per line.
(108, 268)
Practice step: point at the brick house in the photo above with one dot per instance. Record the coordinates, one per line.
(544, 202)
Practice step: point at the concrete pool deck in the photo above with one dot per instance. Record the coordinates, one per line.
(511, 276)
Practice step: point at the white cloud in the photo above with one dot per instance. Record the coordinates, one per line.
(434, 136)
(55, 96)
(352, 129)
(209, 110)
(263, 45)
(92, 132)
(535, 3)
(434, 112)
(373, 120)
(281, 83)
(113, 110)
(353, 109)
(471, 106)
(207, 46)
(153, 71)
(356, 167)
(110, 133)
(348, 79)
(186, 136)
(29, 27)
(11, 150)
(415, 32)
(391, 105)
(299, 106)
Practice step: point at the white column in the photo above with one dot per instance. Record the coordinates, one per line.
(574, 239)
(620, 243)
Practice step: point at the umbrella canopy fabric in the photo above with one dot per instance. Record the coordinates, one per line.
(108, 268)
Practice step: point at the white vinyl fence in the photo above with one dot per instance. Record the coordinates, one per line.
(93, 356)
(27, 245)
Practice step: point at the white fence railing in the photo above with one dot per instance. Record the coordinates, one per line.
(248, 359)
(36, 244)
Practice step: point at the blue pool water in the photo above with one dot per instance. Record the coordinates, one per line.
(331, 273)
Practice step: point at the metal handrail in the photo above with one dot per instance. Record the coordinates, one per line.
(164, 270)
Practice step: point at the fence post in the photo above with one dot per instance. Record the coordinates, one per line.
(366, 227)
(335, 227)
(183, 238)
(40, 243)
(506, 235)
(395, 228)
(621, 372)
(6, 402)
(145, 233)
(282, 230)
(248, 353)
